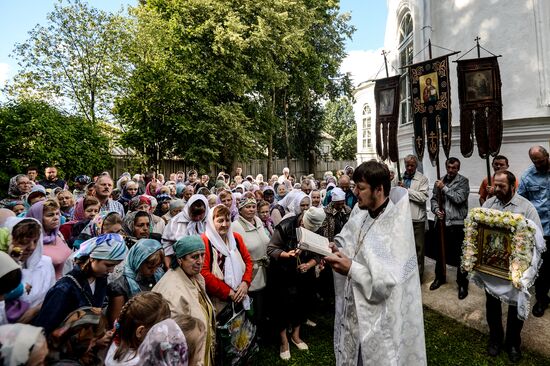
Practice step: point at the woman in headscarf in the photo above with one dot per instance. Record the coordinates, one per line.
(11, 287)
(142, 270)
(164, 345)
(315, 196)
(184, 288)
(66, 205)
(138, 225)
(163, 205)
(227, 267)
(79, 339)
(283, 207)
(176, 206)
(252, 230)
(103, 223)
(190, 221)
(22, 344)
(48, 213)
(152, 187)
(263, 214)
(122, 180)
(19, 187)
(129, 191)
(292, 272)
(25, 246)
(86, 284)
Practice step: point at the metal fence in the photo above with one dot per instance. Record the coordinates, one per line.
(298, 167)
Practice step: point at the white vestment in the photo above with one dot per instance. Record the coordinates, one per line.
(379, 303)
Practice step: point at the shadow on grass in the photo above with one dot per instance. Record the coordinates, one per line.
(448, 342)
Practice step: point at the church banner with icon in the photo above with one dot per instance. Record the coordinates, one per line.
(386, 96)
(431, 97)
(479, 94)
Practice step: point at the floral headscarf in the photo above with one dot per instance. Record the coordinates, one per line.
(109, 247)
(13, 190)
(164, 345)
(72, 339)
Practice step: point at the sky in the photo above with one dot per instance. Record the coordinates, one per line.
(363, 60)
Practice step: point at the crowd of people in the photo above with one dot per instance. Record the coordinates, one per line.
(140, 269)
(92, 271)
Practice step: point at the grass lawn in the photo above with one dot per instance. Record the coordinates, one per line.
(447, 343)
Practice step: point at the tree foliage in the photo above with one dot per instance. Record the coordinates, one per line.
(37, 134)
(339, 121)
(77, 59)
(218, 81)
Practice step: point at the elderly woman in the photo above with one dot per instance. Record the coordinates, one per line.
(184, 287)
(86, 284)
(66, 205)
(227, 267)
(48, 213)
(176, 206)
(19, 187)
(292, 271)
(252, 230)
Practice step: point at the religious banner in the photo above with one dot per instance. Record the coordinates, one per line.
(386, 96)
(479, 94)
(431, 97)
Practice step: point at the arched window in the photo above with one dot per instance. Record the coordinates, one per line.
(405, 58)
(366, 127)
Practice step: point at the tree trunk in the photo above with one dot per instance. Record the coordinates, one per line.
(287, 142)
(269, 157)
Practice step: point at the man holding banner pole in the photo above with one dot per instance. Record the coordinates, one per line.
(454, 189)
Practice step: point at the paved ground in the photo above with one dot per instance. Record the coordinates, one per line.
(471, 311)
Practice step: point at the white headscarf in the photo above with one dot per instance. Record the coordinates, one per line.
(182, 225)
(234, 266)
(17, 341)
(37, 269)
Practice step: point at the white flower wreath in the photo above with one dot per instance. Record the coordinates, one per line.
(523, 240)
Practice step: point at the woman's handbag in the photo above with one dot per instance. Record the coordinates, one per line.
(235, 336)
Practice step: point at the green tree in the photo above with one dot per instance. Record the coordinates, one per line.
(218, 81)
(35, 133)
(78, 59)
(339, 121)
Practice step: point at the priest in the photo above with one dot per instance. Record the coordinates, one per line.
(379, 318)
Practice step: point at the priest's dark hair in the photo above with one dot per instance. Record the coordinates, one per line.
(374, 173)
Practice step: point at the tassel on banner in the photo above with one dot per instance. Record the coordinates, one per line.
(479, 94)
(430, 93)
(386, 96)
(480, 125)
(466, 133)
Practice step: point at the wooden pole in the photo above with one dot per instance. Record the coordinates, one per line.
(487, 163)
(397, 147)
(440, 201)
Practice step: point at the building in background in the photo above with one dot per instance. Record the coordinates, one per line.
(517, 30)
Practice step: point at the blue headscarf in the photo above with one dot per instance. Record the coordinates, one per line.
(109, 247)
(138, 254)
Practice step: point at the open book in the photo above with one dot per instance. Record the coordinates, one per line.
(308, 240)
